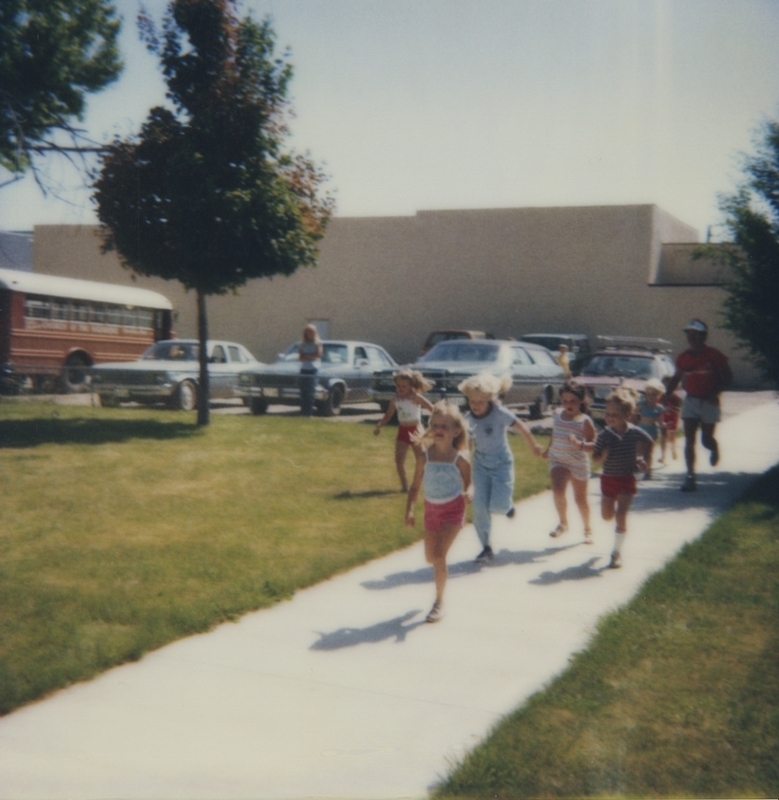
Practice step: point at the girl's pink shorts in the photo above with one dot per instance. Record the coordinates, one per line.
(405, 431)
(612, 485)
(450, 513)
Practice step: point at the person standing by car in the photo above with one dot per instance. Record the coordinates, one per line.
(408, 402)
(563, 360)
(493, 462)
(704, 373)
(310, 355)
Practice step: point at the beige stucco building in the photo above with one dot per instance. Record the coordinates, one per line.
(624, 270)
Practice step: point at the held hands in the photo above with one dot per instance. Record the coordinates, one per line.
(410, 521)
(642, 465)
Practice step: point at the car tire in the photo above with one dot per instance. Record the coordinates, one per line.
(258, 405)
(331, 407)
(108, 401)
(75, 374)
(185, 397)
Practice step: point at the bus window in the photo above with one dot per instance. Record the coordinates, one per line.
(113, 315)
(145, 317)
(37, 307)
(97, 313)
(60, 309)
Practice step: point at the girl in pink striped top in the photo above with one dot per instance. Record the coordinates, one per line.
(567, 461)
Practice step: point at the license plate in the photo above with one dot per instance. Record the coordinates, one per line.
(121, 393)
(270, 392)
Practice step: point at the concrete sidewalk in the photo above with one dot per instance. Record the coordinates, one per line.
(344, 691)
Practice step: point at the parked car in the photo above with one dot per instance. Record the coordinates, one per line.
(169, 372)
(536, 376)
(578, 344)
(624, 361)
(444, 336)
(345, 376)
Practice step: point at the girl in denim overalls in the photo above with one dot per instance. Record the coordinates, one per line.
(493, 462)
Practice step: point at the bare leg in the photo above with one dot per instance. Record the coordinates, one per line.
(437, 546)
(560, 476)
(709, 442)
(582, 503)
(401, 448)
(690, 432)
(607, 508)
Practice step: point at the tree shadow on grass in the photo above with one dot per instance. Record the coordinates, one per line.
(503, 558)
(55, 430)
(396, 629)
(349, 495)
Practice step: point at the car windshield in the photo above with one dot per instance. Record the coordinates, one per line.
(172, 351)
(332, 353)
(465, 350)
(549, 342)
(624, 366)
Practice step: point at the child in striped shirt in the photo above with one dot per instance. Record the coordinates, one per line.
(623, 448)
(567, 462)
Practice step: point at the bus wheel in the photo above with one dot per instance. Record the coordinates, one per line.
(75, 373)
(185, 398)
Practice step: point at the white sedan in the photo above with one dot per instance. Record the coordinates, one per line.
(169, 372)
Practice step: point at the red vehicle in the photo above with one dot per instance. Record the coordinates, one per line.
(53, 329)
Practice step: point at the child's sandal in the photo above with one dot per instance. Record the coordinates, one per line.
(558, 531)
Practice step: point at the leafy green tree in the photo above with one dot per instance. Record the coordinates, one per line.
(751, 309)
(52, 54)
(207, 194)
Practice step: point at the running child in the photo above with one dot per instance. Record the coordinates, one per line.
(493, 462)
(408, 402)
(649, 412)
(669, 421)
(623, 448)
(567, 462)
(442, 466)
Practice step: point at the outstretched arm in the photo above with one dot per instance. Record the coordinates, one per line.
(522, 429)
(385, 419)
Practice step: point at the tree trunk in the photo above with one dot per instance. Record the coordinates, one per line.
(202, 333)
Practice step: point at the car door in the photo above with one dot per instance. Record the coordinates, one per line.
(526, 376)
(219, 371)
(361, 376)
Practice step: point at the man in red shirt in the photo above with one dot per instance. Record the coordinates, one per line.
(704, 373)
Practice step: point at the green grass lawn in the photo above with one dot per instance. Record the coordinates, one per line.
(124, 529)
(678, 694)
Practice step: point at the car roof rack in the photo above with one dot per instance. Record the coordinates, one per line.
(634, 342)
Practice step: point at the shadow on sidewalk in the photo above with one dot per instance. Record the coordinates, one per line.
(663, 492)
(350, 637)
(578, 573)
(503, 558)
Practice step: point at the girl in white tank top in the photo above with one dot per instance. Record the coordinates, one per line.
(409, 403)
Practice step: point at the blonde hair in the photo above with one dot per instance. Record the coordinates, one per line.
(417, 380)
(492, 386)
(625, 398)
(309, 329)
(443, 408)
(654, 385)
